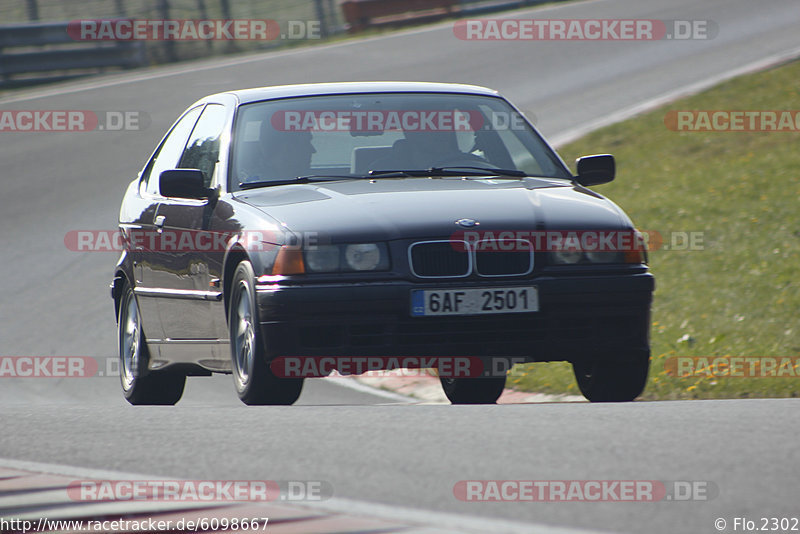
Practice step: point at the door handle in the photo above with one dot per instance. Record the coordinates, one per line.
(159, 222)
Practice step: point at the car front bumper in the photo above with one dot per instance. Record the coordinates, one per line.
(579, 318)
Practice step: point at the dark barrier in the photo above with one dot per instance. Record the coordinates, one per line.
(43, 52)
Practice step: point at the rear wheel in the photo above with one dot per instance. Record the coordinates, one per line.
(473, 390)
(140, 386)
(611, 381)
(254, 380)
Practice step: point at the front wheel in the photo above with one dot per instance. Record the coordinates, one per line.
(611, 381)
(473, 390)
(140, 386)
(254, 380)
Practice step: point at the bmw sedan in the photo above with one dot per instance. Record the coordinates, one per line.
(282, 233)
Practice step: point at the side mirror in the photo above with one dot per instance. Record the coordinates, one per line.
(183, 183)
(597, 169)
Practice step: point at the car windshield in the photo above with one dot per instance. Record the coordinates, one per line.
(352, 135)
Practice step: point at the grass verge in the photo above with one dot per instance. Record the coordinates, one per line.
(738, 295)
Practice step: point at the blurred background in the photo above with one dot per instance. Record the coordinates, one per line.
(35, 45)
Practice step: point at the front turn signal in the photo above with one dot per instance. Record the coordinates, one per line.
(289, 261)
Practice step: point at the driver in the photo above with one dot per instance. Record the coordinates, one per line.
(278, 155)
(425, 149)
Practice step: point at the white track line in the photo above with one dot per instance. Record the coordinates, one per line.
(354, 384)
(443, 522)
(556, 139)
(165, 71)
(675, 94)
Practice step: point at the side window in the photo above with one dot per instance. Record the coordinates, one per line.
(202, 151)
(170, 150)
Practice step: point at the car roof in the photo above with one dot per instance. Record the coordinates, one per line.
(311, 89)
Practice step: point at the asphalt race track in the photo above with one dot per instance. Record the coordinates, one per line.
(390, 454)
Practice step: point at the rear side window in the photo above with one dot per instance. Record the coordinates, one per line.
(166, 157)
(202, 150)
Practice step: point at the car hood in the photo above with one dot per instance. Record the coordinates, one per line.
(388, 208)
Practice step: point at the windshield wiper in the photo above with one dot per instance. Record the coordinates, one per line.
(447, 171)
(456, 170)
(298, 180)
(391, 173)
(482, 171)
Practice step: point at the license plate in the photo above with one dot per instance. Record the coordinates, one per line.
(474, 301)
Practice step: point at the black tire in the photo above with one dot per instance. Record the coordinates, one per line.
(254, 381)
(473, 390)
(140, 386)
(611, 381)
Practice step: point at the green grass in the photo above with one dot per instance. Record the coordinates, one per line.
(739, 295)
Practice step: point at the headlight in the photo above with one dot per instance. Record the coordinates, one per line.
(323, 259)
(356, 257)
(567, 257)
(605, 257)
(573, 257)
(364, 257)
(623, 247)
